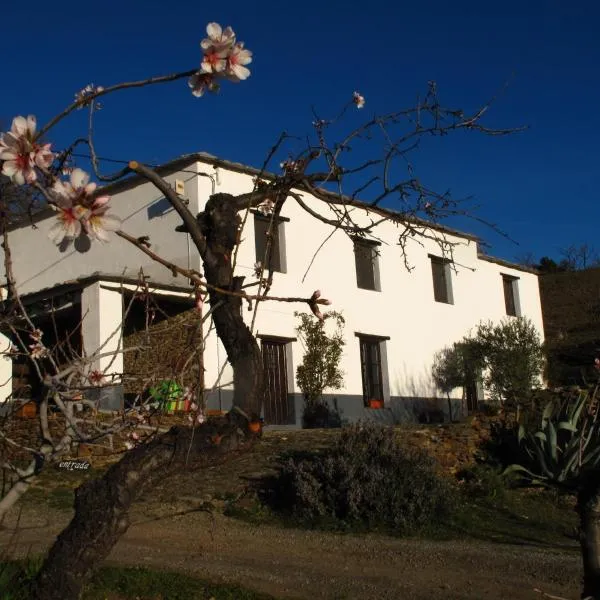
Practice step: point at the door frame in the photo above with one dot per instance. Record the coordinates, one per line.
(289, 371)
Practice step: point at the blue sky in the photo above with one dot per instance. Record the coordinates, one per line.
(539, 186)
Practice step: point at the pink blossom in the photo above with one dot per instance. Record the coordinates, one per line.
(202, 82)
(200, 418)
(99, 223)
(358, 100)
(217, 37)
(37, 350)
(96, 377)
(214, 61)
(36, 335)
(193, 406)
(68, 225)
(21, 153)
(316, 294)
(83, 96)
(238, 57)
(222, 57)
(134, 436)
(80, 211)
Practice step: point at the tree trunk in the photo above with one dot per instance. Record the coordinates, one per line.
(102, 506)
(450, 417)
(220, 224)
(588, 508)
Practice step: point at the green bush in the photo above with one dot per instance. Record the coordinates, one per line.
(484, 481)
(318, 415)
(366, 480)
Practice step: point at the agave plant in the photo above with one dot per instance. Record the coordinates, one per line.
(564, 452)
(566, 444)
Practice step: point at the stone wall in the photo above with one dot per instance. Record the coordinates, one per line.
(164, 351)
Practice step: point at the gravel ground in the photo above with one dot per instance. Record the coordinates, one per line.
(303, 564)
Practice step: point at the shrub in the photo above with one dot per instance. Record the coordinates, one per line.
(318, 415)
(484, 481)
(513, 358)
(366, 479)
(320, 367)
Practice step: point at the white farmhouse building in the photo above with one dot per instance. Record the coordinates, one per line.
(395, 319)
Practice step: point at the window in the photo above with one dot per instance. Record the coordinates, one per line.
(370, 362)
(442, 282)
(277, 250)
(511, 295)
(367, 266)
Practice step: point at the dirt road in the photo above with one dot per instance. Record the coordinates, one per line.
(299, 564)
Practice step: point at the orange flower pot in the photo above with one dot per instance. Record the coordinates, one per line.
(27, 410)
(255, 426)
(375, 403)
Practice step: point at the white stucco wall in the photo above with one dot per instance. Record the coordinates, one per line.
(404, 310)
(5, 370)
(101, 321)
(38, 263)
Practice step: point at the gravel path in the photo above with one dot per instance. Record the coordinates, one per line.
(299, 564)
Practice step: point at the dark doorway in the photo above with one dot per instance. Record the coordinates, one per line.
(277, 410)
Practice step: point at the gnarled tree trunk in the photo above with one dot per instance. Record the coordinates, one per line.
(588, 509)
(102, 506)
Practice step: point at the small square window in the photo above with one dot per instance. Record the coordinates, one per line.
(442, 279)
(277, 248)
(367, 265)
(511, 295)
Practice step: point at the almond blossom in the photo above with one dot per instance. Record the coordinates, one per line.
(237, 59)
(83, 96)
(37, 350)
(21, 153)
(99, 222)
(314, 301)
(96, 377)
(217, 37)
(80, 211)
(358, 100)
(222, 57)
(201, 83)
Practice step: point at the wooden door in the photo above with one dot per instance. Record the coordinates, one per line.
(276, 385)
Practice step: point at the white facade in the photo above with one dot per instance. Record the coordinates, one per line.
(410, 324)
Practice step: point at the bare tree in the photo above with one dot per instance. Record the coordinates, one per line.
(321, 166)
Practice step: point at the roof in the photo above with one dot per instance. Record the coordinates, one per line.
(507, 264)
(333, 197)
(218, 163)
(79, 283)
(186, 160)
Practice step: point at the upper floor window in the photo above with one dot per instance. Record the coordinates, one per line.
(511, 295)
(367, 264)
(442, 279)
(277, 251)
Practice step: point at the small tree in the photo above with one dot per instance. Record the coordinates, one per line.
(320, 368)
(448, 372)
(513, 358)
(457, 366)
